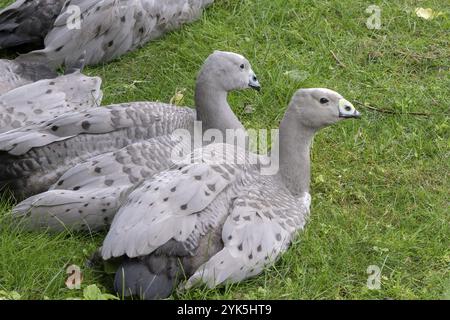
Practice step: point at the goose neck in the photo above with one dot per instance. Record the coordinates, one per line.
(294, 163)
(213, 108)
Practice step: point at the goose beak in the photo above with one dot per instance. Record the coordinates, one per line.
(347, 110)
(253, 81)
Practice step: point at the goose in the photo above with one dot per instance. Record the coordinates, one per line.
(110, 28)
(215, 221)
(46, 99)
(14, 74)
(25, 23)
(32, 159)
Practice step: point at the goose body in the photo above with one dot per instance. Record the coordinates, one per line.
(34, 159)
(47, 99)
(14, 74)
(214, 221)
(110, 28)
(26, 23)
(224, 222)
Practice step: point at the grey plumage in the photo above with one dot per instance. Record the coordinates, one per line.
(46, 99)
(87, 196)
(227, 220)
(14, 74)
(26, 23)
(111, 28)
(33, 158)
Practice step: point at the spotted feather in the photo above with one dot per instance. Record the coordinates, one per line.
(47, 99)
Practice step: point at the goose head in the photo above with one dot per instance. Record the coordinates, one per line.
(228, 71)
(317, 108)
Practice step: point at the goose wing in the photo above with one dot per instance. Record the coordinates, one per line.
(261, 224)
(88, 196)
(110, 28)
(167, 207)
(14, 74)
(140, 120)
(46, 99)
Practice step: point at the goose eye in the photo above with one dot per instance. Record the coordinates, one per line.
(323, 100)
(242, 66)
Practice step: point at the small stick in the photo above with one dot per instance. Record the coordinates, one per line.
(423, 114)
(339, 62)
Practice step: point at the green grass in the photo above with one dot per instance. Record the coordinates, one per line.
(380, 185)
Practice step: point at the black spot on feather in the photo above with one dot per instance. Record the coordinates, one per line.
(86, 125)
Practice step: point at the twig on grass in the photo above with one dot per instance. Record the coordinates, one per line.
(386, 111)
(339, 62)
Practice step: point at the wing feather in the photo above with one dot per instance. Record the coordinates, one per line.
(46, 99)
(165, 208)
(111, 28)
(261, 225)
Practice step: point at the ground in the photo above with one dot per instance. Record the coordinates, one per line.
(380, 185)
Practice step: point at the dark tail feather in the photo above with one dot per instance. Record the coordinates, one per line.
(21, 43)
(26, 26)
(14, 32)
(133, 278)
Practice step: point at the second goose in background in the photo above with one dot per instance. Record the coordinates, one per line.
(32, 159)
